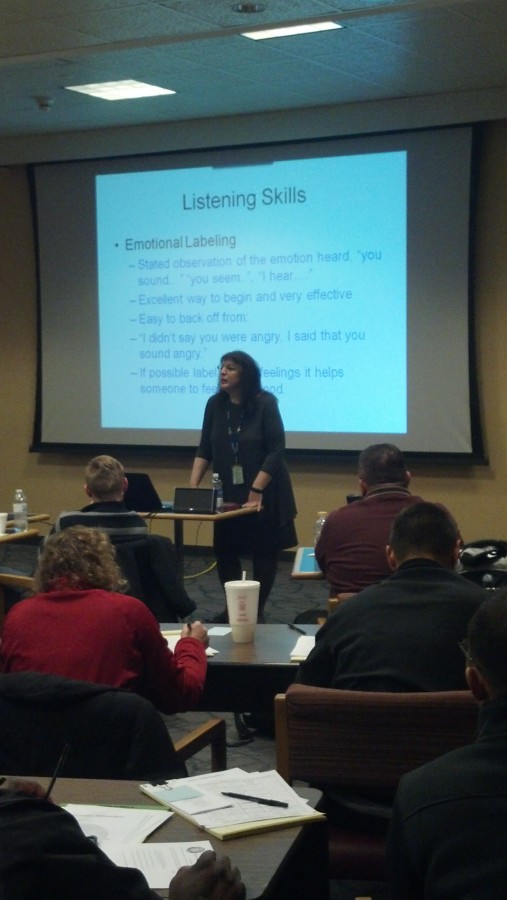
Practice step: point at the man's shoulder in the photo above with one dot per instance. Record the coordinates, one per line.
(102, 516)
(458, 581)
(427, 571)
(349, 511)
(363, 506)
(69, 517)
(431, 782)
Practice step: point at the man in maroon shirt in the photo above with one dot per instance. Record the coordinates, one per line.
(351, 550)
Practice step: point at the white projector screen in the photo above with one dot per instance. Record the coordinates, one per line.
(341, 266)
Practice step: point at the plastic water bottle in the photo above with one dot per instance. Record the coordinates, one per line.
(218, 492)
(20, 510)
(319, 522)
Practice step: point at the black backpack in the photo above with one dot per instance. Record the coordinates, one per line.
(484, 562)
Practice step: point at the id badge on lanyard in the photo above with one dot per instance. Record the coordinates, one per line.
(237, 474)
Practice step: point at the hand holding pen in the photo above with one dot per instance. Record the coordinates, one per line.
(196, 630)
(59, 766)
(22, 786)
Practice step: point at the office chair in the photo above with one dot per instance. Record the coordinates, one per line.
(112, 733)
(149, 566)
(355, 746)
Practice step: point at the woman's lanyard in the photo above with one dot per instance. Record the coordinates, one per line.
(233, 434)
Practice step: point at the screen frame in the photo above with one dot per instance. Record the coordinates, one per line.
(477, 455)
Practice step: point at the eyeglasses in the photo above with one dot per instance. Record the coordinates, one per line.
(465, 648)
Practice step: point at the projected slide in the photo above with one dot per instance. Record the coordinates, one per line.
(342, 265)
(301, 263)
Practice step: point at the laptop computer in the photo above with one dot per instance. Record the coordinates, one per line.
(193, 500)
(141, 494)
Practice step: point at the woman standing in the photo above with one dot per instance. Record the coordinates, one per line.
(244, 439)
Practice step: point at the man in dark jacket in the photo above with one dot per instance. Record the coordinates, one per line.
(448, 834)
(147, 561)
(105, 485)
(402, 634)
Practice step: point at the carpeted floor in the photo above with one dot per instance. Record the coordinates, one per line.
(287, 599)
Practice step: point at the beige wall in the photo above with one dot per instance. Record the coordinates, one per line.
(477, 495)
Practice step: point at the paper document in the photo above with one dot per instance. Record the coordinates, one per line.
(204, 801)
(158, 862)
(302, 648)
(117, 824)
(172, 638)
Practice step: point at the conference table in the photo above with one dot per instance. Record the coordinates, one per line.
(285, 864)
(11, 535)
(246, 677)
(179, 519)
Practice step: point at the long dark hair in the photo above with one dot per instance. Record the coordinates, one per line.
(250, 377)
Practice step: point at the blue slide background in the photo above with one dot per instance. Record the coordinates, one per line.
(313, 286)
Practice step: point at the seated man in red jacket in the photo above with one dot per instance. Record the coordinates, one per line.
(78, 625)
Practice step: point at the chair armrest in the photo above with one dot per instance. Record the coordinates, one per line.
(333, 602)
(281, 736)
(17, 581)
(23, 535)
(209, 734)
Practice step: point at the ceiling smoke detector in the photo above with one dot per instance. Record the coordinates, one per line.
(44, 103)
(249, 7)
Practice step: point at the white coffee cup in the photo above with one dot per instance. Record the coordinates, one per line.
(242, 606)
(3, 523)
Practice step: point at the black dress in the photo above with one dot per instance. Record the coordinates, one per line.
(253, 439)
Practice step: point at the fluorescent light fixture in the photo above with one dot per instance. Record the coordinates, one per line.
(289, 30)
(119, 90)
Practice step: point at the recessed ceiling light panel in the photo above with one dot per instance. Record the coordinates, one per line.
(119, 90)
(289, 30)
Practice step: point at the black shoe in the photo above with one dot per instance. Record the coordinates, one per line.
(220, 618)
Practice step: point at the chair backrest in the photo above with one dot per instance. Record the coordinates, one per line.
(10, 583)
(359, 739)
(112, 733)
(149, 565)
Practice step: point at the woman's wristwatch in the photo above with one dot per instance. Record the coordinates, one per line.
(255, 490)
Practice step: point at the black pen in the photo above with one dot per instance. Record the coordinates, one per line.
(255, 799)
(60, 763)
(295, 628)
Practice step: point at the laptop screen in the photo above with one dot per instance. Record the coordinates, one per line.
(193, 500)
(140, 494)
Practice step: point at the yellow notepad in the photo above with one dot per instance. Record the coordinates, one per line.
(206, 801)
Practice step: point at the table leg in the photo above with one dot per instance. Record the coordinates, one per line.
(178, 546)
